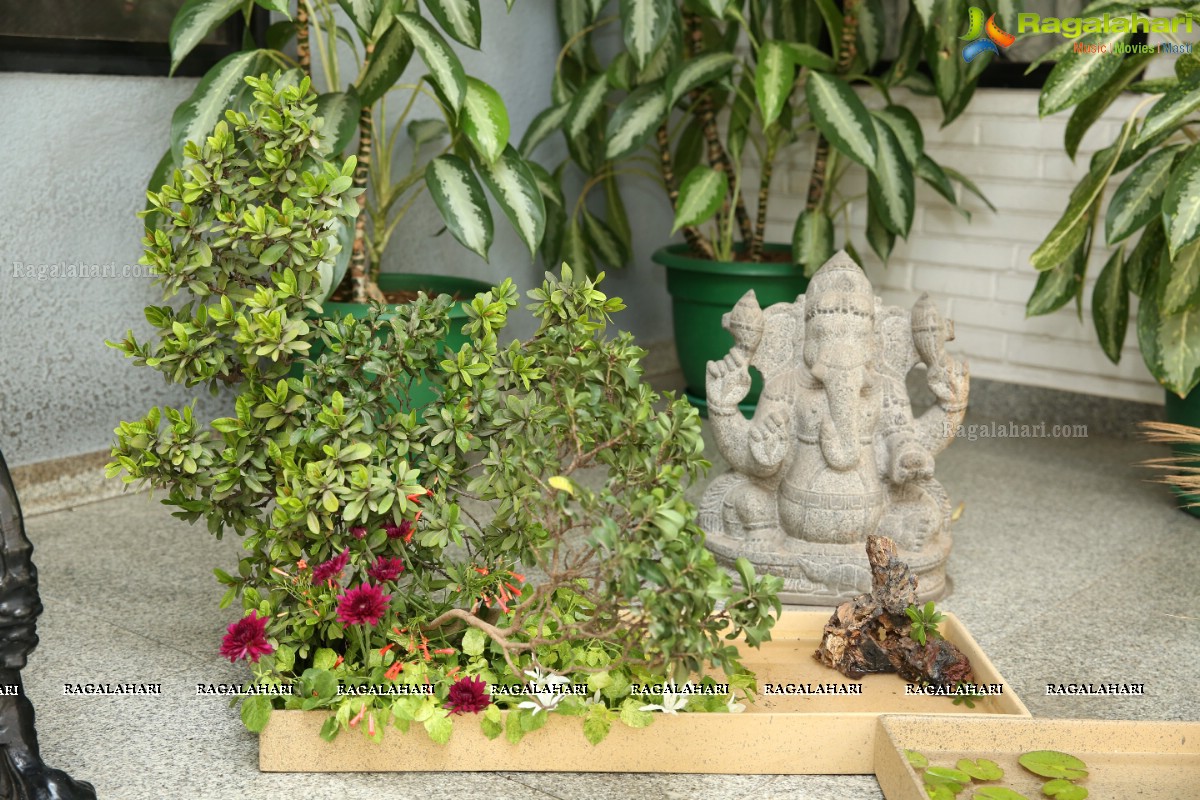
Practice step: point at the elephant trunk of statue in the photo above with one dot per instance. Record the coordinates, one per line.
(839, 430)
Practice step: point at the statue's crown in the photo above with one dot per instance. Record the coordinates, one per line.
(839, 287)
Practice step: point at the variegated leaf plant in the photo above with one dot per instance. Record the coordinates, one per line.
(1154, 164)
(705, 88)
(456, 157)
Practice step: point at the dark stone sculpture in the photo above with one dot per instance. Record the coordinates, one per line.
(23, 776)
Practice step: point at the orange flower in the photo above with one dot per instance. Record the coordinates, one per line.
(394, 671)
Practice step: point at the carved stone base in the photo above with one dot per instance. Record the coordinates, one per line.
(813, 574)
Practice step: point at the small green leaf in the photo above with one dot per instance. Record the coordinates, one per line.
(1078, 74)
(701, 194)
(1055, 287)
(561, 484)
(997, 793)
(484, 120)
(812, 240)
(474, 640)
(981, 769)
(1062, 789)
(1181, 202)
(773, 77)
(1053, 764)
(917, 760)
(256, 712)
(218, 90)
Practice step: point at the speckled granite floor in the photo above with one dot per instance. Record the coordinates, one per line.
(1068, 566)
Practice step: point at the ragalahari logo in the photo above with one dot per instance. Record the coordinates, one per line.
(984, 37)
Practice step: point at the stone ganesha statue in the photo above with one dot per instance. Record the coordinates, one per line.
(833, 453)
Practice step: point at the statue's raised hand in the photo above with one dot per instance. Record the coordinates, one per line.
(728, 380)
(950, 382)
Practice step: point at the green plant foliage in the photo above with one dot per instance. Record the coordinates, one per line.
(393, 546)
(727, 89)
(917, 760)
(1154, 158)
(1062, 789)
(998, 793)
(981, 769)
(925, 621)
(1053, 764)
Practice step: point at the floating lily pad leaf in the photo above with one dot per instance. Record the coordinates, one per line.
(997, 793)
(940, 791)
(981, 770)
(1062, 789)
(952, 787)
(916, 759)
(1053, 764)
(947, 774)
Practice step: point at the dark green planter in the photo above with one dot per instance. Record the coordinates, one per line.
(420, 393)
(702, 292)
(1185, 411)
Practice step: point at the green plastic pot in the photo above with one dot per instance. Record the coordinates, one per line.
(1185, 411)
(420, 393)
(702, 292)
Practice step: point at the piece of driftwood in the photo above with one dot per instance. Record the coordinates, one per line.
(870, 633)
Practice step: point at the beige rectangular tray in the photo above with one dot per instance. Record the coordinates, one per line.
(1126, 759)
(779, 734)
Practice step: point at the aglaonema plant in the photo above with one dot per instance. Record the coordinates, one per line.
(454, 155)
(401, 564)
(707, 95)
(1153, 218)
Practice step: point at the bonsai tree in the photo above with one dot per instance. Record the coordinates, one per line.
(1153, 219)
(709, 94)
(419, 555)
(454, 155)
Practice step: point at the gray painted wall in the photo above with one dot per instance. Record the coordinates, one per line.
(77, 152)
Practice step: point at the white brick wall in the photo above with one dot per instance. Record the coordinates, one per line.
(979, 272)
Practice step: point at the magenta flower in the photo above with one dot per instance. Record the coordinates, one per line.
(330, 569)
(402, 531)
(358, 532)
(386, 569)
(363, 605)
(247, 638)
(468, 694)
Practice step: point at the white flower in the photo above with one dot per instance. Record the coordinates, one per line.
(734, 706)
(542, 701)
(543, 682)
(672, 703)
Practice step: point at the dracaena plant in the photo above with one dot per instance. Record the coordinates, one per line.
(707, 95)
(1152, 221)
(528, 529)
(454, 155)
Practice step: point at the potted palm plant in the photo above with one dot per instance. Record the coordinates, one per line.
(705, 97)
(454, 155)
(1153, 220)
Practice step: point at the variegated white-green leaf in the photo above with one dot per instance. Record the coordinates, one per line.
(1078, 74)
(331, 272)
(1181, 202)
(544, 124)
(1180, 285)
(511, 182)
(663, 59)
(714, 8)
(925, 9)
(880, 238)
(576, 252)
(1170, 110)
(1071, 227)
(392, 53)
(459, 18)
(644, 24)
(443, 64)
(573, 17)
(890, 185)
(607, 244)
(812, 240)
(904, 124)
(424, 131)
(1110, 307)
(773, 77)
(362, 13)
(586, 103)
(841, 117)
(1139, 197)
(546, 183)
(635, 120)
(485, 120)
(696, 72)
(1055, 287)
(339, 113)
(1178, 343)
(703, 191)
(808, 56)
(195, 20)
(217, 91)
(871, 30)
(459, 197)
